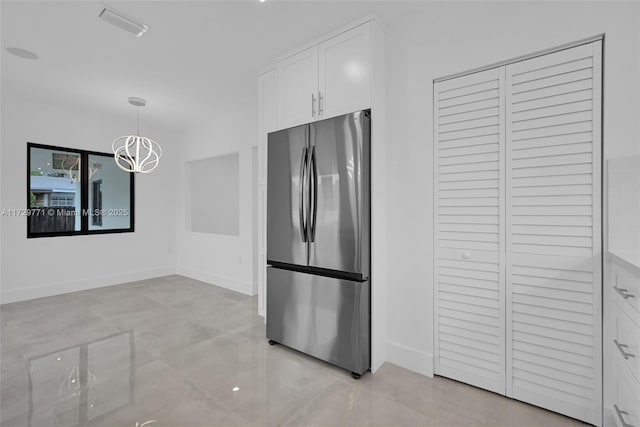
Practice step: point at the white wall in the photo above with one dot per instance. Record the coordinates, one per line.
(214, 195)
(33, 268)
(222, 260)
(448, 38)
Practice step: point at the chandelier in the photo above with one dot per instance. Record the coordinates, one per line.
(135, 153)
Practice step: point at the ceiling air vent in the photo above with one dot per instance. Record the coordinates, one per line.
(123, 22)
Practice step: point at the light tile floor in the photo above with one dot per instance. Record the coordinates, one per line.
(175, 352)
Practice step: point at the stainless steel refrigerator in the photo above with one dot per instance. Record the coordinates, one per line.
(318, 240)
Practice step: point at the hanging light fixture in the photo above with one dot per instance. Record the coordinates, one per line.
(135, 153)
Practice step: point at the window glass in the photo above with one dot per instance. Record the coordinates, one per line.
(109, 194)
(54, 196)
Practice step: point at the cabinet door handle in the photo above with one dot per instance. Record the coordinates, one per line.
(313, 105)
(621, 347)
(320, 106)
(624, 292)
(620, 413)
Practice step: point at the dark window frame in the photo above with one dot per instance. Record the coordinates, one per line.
(84, 194)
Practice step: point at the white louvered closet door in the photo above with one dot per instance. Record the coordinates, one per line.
(518, 267)
(553, 210)
(469, 253)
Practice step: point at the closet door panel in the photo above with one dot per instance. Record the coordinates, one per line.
(469, 211)
(553, 236)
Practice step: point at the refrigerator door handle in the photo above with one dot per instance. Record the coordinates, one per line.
(303, 169)
(314, 194)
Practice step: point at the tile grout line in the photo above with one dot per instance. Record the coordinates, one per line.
(313, 399)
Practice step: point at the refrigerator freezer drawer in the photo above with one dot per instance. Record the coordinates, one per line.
(324, 317)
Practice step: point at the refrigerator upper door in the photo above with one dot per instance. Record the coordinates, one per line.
(288, 194)
(339, 211)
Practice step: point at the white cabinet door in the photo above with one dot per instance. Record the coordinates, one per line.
(553, 233)
(298, 88)
(345, 72)
(469, 233)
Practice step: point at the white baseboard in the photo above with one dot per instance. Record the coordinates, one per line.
(410, 358)
(80, 285)
(225, 282)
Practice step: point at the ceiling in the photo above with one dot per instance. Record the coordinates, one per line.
(199, 59)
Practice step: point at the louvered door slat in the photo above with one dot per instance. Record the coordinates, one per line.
(549, 360)
(473, 98)
(473, 114)
(553, 231)
(582, 61)
(551, 190)
(573, 148)
(488, 156)
(491, 147)
(564, 107)
(552, 80)
(565, 88)
(468, 142)
(553, 140)
(553, 100)
(469, 193)
(469, 276)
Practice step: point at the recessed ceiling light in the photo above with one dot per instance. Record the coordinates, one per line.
(123, 21)
(22, 53)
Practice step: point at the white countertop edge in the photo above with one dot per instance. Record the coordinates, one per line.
(629, 259)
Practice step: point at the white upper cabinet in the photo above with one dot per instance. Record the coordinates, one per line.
(326, 80)
(298, 84)
(268, 99)
(345, 72)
